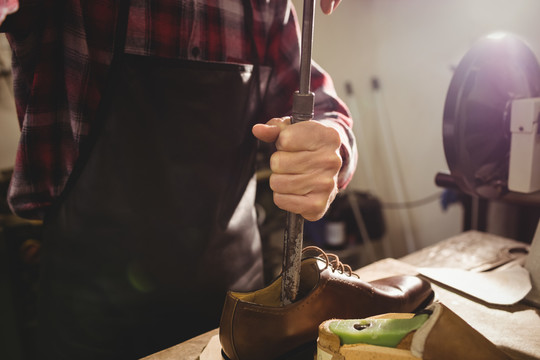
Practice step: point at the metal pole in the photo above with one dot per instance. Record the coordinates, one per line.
(307, 42)
(303, 103)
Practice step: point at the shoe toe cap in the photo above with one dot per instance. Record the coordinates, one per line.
(414, 291)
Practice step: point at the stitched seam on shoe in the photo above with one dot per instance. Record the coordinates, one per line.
(231, 330)
(356, 286)
(321, 285)
(294, 307)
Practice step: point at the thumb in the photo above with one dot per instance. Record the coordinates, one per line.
(266, 133)
(270, 131)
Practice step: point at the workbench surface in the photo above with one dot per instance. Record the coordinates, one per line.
(514, 329)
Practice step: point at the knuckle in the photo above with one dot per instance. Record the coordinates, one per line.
(335, 161)
(315, 207)
(284, 140)
(278, 201)
(330, 160)
(272, 182)
(333, 136)
(275, 161)
(329, 183)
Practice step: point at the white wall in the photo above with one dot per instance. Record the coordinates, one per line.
(411, 46)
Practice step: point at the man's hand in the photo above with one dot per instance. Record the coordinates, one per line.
(305, 166)
(7, 8)
(328, 6)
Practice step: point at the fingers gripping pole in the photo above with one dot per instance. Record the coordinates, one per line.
(303, 103)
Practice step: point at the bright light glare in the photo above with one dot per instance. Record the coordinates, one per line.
(497, 35)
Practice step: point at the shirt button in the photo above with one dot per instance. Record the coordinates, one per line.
(195, 51)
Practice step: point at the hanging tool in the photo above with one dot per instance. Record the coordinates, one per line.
(303, 104)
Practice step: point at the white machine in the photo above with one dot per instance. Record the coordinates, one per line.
(491, 131)
(524, 172)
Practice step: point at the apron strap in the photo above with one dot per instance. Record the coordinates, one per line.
(249, 24)
(121, 31)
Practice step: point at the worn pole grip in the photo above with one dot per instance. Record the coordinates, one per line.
(303, 104)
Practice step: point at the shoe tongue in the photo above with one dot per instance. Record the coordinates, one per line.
(310, 275)
(317, 262)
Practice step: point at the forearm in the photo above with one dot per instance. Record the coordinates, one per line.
(348, 151)
(332, 111)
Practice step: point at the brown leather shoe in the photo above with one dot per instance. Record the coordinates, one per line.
(255, 325)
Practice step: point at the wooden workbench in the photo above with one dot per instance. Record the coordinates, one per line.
(514, 329)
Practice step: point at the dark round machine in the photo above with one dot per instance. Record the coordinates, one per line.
(476, 122)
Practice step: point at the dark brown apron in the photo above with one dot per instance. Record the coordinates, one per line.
(157, 220)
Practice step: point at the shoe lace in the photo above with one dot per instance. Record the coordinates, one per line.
(331, 260)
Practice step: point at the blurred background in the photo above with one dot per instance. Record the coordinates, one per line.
(408, 49)
(391, 62)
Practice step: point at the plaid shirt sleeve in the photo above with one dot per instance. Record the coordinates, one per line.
(59, 65)
(61, 56)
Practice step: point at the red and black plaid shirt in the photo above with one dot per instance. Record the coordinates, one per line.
(62, 51)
